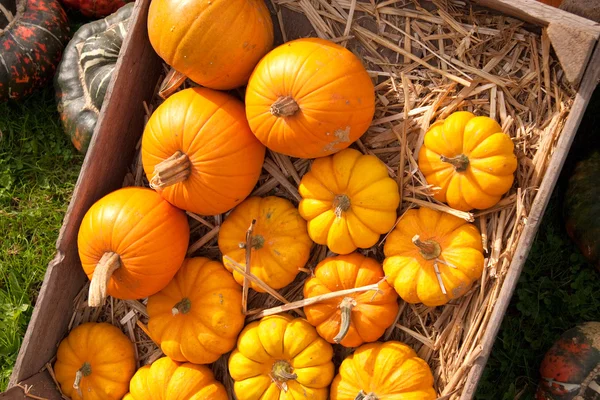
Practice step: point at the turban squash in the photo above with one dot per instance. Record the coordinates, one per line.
(199, 153)
(131, 243)
(33, 34)
(96, 361)
(96, 8)
(309, 98)
(85, 72)
(358, 317)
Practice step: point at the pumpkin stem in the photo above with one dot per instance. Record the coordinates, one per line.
(107, 265)
(174, 169)
(285, 106)
(363, 396)
(429, 249)
(341, 203)
(183, 307)
(282, 371)
(85, 370)
(346, 308)
(460, 162)
(171, 83)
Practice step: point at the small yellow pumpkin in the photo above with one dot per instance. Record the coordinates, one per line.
(382, 371)
(348, 200)
(432, 257)
(470, 159)
(198, 316)
(279, 244)
(280, 357)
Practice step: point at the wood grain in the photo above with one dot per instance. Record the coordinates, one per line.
(41, 385)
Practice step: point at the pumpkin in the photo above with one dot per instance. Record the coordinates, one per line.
(198, 316)
(309, 98)
(96, 361)
(33, 34)
(356, 318)
(432, 257)
(470, 159)
(199, 153)
(581, 207)
(85, 72)
(570, 369)
(279, 243)
(379, 371)
(166, 379)
(348, 200)
(96, 8)
(280, 357)
(222, 57)
(131, 243)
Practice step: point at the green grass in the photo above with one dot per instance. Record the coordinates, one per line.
(38, 170)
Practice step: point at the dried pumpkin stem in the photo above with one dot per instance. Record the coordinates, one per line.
(183, 307)
(283, 371)
(346, 309)
(341, 204)
(460, 162)
(248, 246)
(174, 169)
(85, 370)
(285, 106)
(105, 268)
(171, 83)
(429, 249)
(364, 396)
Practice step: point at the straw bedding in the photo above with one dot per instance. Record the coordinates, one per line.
(427, 60)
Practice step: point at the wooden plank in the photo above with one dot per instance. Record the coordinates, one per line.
(119, 127)
(40, 385)
(573, 47)
(559, 156)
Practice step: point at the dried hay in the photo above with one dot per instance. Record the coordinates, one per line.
(428, 60)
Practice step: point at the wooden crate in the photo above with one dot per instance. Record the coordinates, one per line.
(120, 127)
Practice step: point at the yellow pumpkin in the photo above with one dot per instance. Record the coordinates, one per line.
(166, 379)
(382, 371)
(198, 316)
(348, 200)
(96, 361)
(432, 257)
(470, 159)
(279, 244)
(281, 358)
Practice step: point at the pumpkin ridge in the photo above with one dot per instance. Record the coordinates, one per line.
(298, 96)
(362, 222)
(311, 93)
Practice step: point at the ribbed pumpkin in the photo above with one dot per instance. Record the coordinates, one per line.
(280, 357)
(309, 98)
(131, 243)
(381, 371)
(199, 153)
(279, 244)
(432, 257)
(96, 361)
(470, 159)
(348, 200)
(358, 317)
(166, 379)
(215, 43)
(198, 316)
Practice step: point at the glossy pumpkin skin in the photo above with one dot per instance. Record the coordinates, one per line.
(470, 159)
(198, 316)
(570, 367)
(582, 209)
(149, 235)
(277, 347)
(105, 356)
(241, 32)
(309, 98)
(210, 129)
(83, 75)
(348, 200)
(96, 8)
(31, 45)
(390, 370)
(280, 244)
(166, 379)
(411, 269)
(371, 312)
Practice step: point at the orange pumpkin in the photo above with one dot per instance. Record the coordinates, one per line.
(199, 153)
(198, 316)
(215, 43)
(309, 98)
(131, 243)
(356, 318)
